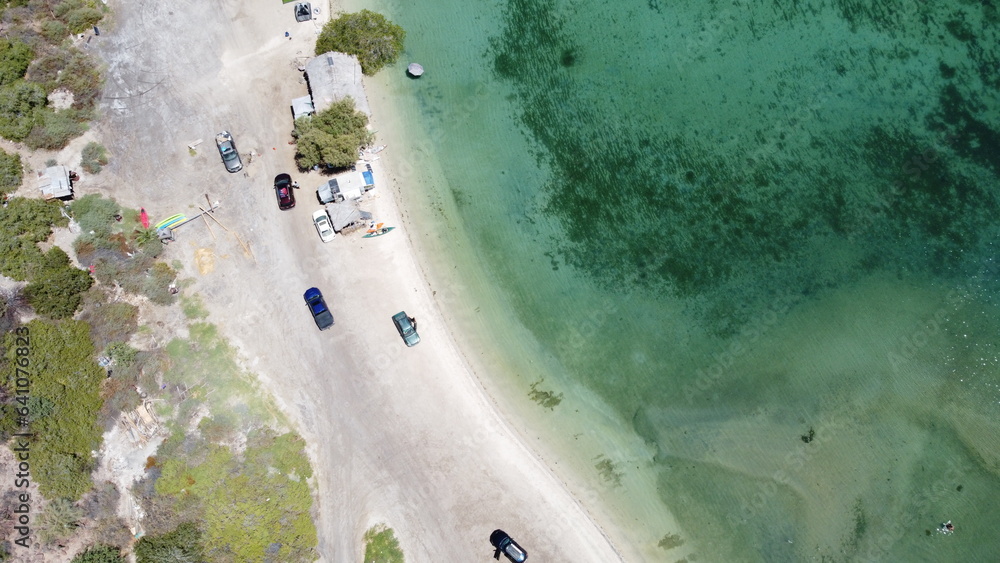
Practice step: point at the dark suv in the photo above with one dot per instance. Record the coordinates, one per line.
(506, 545)
(317, 306)
(283, 190)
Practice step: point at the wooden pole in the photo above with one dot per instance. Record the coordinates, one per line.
(246, 247)
(207, 224)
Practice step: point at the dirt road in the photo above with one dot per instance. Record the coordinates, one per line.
(396, 435)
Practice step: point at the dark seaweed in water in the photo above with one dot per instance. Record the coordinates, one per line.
(747, 231)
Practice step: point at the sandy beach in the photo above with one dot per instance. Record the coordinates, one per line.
(407, 437)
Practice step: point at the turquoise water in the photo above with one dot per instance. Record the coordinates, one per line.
(764, 236)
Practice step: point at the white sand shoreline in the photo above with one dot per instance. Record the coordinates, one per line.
(405, 436)
(526, 422)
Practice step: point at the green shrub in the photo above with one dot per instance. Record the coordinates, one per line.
(109, 322)
(112, 531)
(118, 395)
(20, 106)
(157, 284)
(82, 19)
(375, 40)
(253, 507)
(217, 429)
(53, 130)
(182, 544)
(121, 353)
(13, 306)
(62, 372)
(23, 223)
(149, 243)
(45, 69)
(100, 508)
(11, 171)
(132, 274)
(331, 137)
(381, 545)
(54, 31)
(194, 307)
(31, 219)
(95, 213)
(15, 56)
(66, 6)
(55, 290)
(100, 554)
(163, 514)
(58, 520)
(80, 75)
(94, 157)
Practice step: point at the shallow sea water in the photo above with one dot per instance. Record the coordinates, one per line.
(764, 237)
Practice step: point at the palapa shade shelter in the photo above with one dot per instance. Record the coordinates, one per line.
(334, 76)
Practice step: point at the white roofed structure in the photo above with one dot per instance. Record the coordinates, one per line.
(55, 182)
(334, 76)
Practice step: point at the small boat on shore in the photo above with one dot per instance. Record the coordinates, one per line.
(372, 233)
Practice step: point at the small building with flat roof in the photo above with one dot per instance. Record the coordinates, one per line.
(331, 77)
(56, 182)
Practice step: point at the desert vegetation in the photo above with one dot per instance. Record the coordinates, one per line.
(61, 410)
(11, 171)
(231, 493)
(54, 284)
(381, 545)
(332, 137)
(200, 488)
(38, 58)
(122, 253)
(94, 157)
(371, 37)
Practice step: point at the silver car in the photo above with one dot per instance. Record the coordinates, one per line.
(407, 327)
(227, 149)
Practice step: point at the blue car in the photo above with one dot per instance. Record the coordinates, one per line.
(317, 306)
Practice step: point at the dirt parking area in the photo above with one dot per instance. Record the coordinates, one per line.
(399, 435)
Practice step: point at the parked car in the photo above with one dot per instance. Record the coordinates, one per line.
(303, 12)
(317, 306)
(227, 148)
(284, 191)
(407, 327)
(322, 222)
(506, 545)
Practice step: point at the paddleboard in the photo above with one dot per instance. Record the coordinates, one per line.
(169, 220)
(174, 222)
(378, 233)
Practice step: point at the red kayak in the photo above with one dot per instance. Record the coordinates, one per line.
(143, 217)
